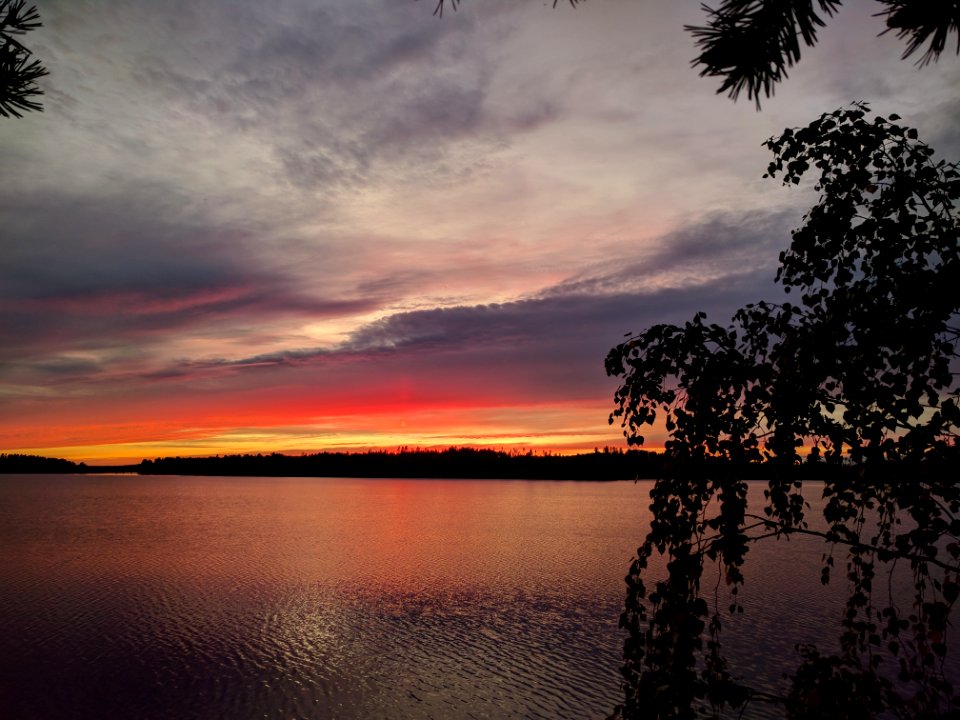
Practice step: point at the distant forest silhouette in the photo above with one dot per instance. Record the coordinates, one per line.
(455, 463)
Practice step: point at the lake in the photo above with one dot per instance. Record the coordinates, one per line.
(204, 597)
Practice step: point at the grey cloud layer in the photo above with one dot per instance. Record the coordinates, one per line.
(719, 245)
(59, 295)
(343, 94)
(196, 155)
(538, 349)
(86, 271)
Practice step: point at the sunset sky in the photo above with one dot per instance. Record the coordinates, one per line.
(306, 225)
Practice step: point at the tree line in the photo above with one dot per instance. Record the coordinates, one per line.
(477, 463)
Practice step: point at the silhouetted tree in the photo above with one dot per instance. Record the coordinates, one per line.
(751, 43)
(19, 463)
(19, 72)
(862, 371)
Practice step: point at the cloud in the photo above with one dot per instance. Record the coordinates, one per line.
(939, 126)
(551, 336)
(304, 206)
(716, 247)
(68, 367)
(84, 271)
(572, 320)
(343, 94)
(181, 278)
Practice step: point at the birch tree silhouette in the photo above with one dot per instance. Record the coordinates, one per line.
(862, 370)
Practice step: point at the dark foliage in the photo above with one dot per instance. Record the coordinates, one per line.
(863, 371)
(448, 463)
(18, 71)
(14, 463)
(608, 464)
(923, 21)
(477, 463)
(751, 43)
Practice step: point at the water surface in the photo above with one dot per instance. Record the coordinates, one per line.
(186, 597)
(200, 597)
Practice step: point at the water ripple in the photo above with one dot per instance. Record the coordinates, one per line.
(201, 598)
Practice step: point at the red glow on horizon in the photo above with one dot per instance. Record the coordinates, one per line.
(294, 427)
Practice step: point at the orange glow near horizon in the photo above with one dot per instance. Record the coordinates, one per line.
(134, 452)
(560, 429)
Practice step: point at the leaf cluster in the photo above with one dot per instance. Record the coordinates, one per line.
(751, 43)
(920, 22)
(860, 371)
(19, 71)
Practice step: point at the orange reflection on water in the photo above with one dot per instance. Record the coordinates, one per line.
(184, 597)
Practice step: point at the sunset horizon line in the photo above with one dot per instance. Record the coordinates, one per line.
(92, 460)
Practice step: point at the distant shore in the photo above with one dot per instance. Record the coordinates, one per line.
(466, 463)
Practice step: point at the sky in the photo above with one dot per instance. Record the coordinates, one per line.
(307, 225)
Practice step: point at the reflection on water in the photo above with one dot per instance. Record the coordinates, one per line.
(185, 597)
(132, 597)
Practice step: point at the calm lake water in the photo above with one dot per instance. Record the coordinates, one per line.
(196, 597)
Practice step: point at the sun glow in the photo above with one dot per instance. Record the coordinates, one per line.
(559, 429)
